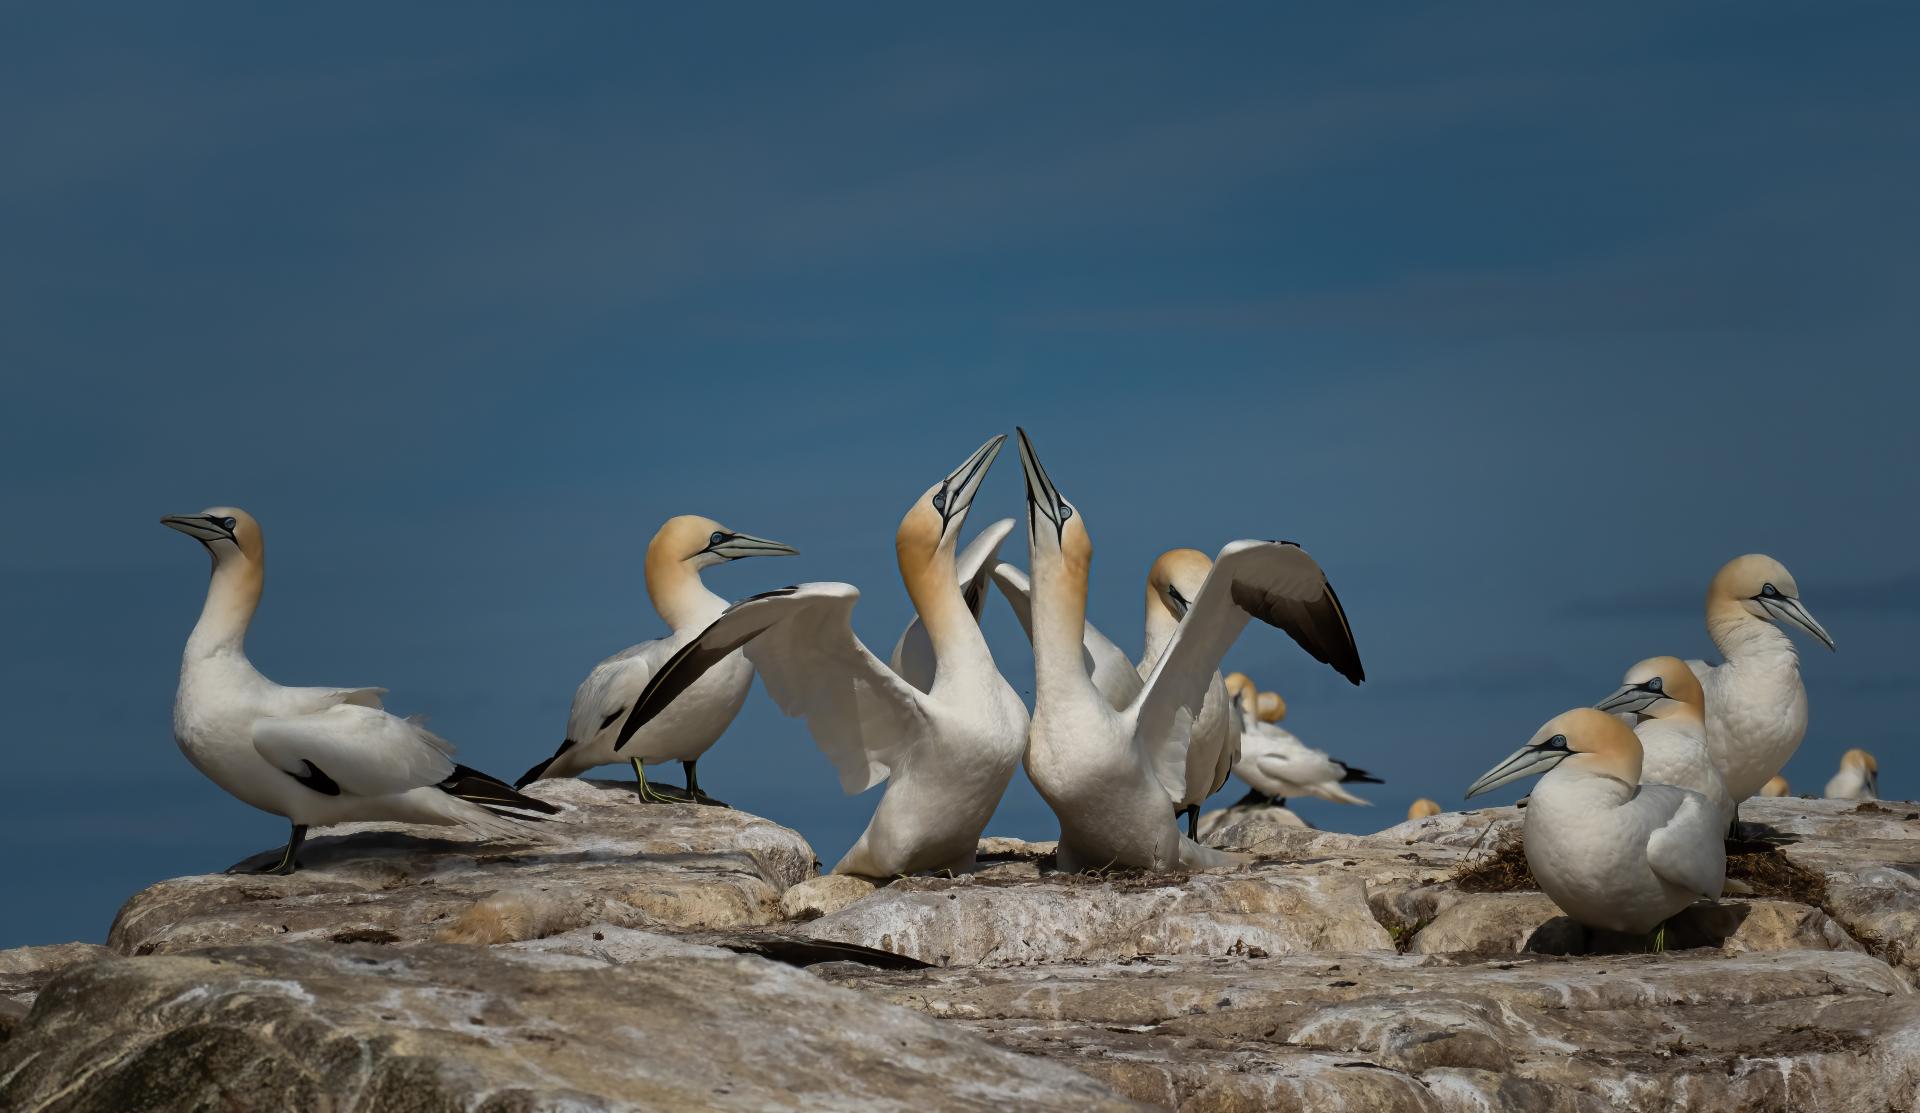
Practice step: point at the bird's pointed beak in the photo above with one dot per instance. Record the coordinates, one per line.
(1527, 761)
(1631, 699)
(741, 545)
(1043, 498)
(964, 482)
(1796, 612)
(200, 527)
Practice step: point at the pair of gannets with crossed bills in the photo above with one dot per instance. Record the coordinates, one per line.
(316, 756)
(1173, 582)
(1276, 765)
(1107, 773)
(1756, 703)
(1858, 778)
(1612, 852)
(946, 752)
(682, 548)
(1668, 708)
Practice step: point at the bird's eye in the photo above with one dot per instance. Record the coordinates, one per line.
(1770, 591)
(229, 522)
(1557, 742)
(1657, 684)
(716, 538)
(1065, 513)
(940, 500)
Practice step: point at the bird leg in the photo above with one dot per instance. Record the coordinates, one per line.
(1659, 937)
(653, 794)
(1193, 822)
(286, 865)
(693, 787)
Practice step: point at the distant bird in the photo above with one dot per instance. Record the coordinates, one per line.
(946, 754)
(1858, 778)
(1669, 708)
(1778, 786)
(1756, 703)
(679, 551)
(1106, 773)
(1276, 765)
(1173, 581)
(1613, 853)
(317, 756)
(1422, 808)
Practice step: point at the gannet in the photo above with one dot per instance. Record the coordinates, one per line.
(946, 754)
(680, 549)
(1275, 764)
(1666, 701)
(1422, 808)
(1756, 704)
(1613, 853)
(1778, 786)
(316, 756)
(1107, 773)
(1858, 778)
(913, 656)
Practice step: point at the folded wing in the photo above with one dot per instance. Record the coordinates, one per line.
(359, 750)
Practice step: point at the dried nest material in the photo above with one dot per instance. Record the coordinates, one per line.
(1760, 866)
(1769, 873)
(1501, 869)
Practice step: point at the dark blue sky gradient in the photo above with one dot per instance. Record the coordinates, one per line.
(1522, 321)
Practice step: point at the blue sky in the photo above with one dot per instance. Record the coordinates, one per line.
(1522, 321)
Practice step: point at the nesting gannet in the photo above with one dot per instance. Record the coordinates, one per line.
(680, 549)
(316, 756)
(1778, 786)
(1422, 808)
(1669, 708)
(913, 657)
(1858, 778)
(1107, 773)
(1612, 853)
(1278, 766)
(946, 753)
(1756, 704)
(1172, 582)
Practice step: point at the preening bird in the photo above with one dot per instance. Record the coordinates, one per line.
(316, 756)
(1276, 765)
(1108, 773)
(679, 551)
(1612, 852)
(1756, 703)
(1669, 708)
(1858, 778)
(946, 753)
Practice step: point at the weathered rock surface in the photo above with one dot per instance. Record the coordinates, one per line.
(1246, 826)
(318, 1026)
(1869, 854)
(606, 859)
(23, 970)
(1784, 1031)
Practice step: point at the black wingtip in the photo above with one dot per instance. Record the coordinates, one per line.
(540, 770)
(492, 793)
(1359, 776)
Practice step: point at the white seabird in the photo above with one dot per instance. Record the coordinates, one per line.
(317, 756)
(1858, 778)
(1756, 703)
(1107, 773)
(1669, 708)
(1613, 853)
(913, 657)
(679, 551)
(1276, 765)
(946, 754)
(1422, 808)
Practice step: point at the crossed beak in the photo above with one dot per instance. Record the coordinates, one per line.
(956, 494)
(1792, 610)
(1527, 761)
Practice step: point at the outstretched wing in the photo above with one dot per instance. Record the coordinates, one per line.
(801, 640)
(913, 656)
(1274, 581)
(1689, 850)
(361, 751)
(1111, 669)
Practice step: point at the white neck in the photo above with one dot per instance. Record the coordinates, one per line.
(1742, 638)
(232, 596)
(1059, 630)
(679, 595)
(1161, 626)
(959, 648)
